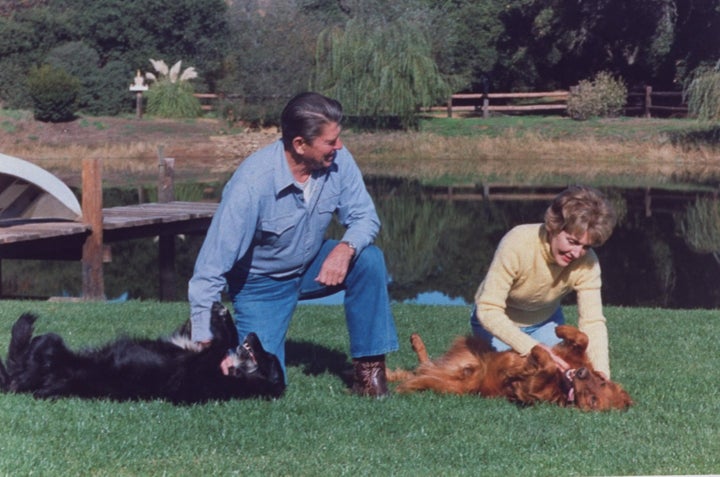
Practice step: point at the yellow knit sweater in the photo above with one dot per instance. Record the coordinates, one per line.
(524, 286)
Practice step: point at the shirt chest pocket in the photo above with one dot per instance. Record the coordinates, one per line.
(326, 206)
(279, 231)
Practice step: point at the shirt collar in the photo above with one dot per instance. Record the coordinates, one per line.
(283, 178)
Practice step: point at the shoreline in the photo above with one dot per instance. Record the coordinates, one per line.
(512, 151)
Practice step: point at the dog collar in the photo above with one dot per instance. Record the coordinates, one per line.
(569, 384)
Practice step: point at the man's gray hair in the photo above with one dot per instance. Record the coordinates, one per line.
(306, 114)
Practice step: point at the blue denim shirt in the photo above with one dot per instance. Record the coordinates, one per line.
(263, 225)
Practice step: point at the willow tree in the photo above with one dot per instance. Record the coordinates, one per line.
(379, 71)
(703, 93)
(700, 227)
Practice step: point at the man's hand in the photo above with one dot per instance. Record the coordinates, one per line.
(226, 364)
(335, 267)
(227, 361)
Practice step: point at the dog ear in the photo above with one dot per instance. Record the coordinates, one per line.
(572, 337)
(538, 358)
(624, 400)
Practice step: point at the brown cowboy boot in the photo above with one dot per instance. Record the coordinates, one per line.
(369, 377)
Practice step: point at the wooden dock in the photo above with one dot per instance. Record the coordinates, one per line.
(88, 241)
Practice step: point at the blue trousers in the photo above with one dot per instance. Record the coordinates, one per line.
(265, 305)
(543, 332)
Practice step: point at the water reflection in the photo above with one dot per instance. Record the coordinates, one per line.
(437, 249)
(648, 261)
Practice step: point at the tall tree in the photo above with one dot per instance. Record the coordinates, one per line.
(697, 42)
(380, 70)
(25, 39)
(555, 43)
(465, 36)
(194, 31)
(271, 57)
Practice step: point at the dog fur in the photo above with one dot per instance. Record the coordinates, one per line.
(173, 369)
(472, 367)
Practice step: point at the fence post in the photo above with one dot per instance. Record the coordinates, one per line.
(486, 106)
(648, 100)
(93, 285)
(449, 106)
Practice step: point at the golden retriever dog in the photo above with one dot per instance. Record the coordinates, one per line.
(472, 367)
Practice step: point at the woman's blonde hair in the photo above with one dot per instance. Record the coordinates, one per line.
(580, 209)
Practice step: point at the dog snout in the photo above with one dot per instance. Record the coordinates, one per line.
(582, 373)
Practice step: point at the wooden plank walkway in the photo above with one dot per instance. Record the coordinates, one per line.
(119, 223)
(148, 220)
(29, 231)
(64, 240)
(88, 240)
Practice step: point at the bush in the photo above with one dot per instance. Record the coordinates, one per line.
(604, 96)
(104, 91)
(252, 112)
(172, 100)
(13, 93)
(54, 93)
(111, 95)
(171, 95)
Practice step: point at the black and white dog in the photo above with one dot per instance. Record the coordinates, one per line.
(173, 368)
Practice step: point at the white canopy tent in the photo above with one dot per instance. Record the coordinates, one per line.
(29, 192)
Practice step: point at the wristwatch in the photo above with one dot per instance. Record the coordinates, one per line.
(351, 245)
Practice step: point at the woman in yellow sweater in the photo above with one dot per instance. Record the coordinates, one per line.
(517, 306)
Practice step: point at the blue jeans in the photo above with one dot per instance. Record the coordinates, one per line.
(543, 332)
(265, 305)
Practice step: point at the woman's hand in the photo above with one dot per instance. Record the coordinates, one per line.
(559, 362)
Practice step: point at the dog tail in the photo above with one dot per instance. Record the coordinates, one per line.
(22, 332)
(4, 377)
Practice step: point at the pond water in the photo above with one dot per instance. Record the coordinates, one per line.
(438, 247)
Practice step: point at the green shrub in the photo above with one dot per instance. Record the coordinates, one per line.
(111, 95)
(603, 96)
(104, 90)
(172, 100)
(54, 93)
(252, 113)
(171, 94)
(13, 93)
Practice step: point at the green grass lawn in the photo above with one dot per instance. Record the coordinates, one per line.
(618, 129)
(667, 360)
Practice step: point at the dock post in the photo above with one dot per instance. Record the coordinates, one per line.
(166, 243)
(93, 285)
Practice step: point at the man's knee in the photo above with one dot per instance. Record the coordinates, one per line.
(371, 260)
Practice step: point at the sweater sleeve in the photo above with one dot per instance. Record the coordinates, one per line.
(591, 320)
(492, 296)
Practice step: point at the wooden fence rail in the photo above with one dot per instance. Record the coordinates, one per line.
(675, 104)
(207, 100)
(638, 101)
(554, 100)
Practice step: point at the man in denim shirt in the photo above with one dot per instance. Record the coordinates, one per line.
(266, 243)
